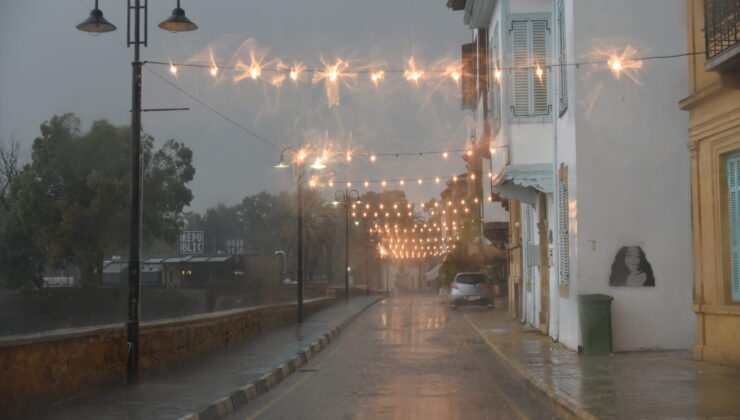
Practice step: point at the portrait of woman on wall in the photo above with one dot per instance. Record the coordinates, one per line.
(631, 268)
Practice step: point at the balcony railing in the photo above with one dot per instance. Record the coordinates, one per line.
(721, 28)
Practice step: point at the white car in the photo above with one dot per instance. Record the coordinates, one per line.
(470, 289)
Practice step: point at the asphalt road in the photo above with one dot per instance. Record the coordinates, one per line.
(407, 357)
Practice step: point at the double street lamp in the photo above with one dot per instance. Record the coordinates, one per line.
(345, 197)
(96, 23)
(298, 162)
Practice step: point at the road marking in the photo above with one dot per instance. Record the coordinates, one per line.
(514, 406)
(302, 380)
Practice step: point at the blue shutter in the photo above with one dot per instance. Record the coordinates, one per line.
(733, 188)
(563, 246)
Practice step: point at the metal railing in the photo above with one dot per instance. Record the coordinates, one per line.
(721, 25)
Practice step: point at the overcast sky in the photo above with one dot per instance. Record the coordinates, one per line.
(48, 67)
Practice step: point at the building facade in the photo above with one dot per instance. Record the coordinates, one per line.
(592, 159)
(714, 130)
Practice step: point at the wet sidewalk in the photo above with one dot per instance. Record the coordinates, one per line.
(649, 384)
(190, 388)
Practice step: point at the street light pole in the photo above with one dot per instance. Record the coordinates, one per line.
(96, 23)
(134, 277)
(299, 268)
(299, 166)
(346, 200)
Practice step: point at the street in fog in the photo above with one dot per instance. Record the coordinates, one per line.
(407, 357)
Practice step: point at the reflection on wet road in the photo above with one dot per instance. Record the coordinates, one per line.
(407, 357)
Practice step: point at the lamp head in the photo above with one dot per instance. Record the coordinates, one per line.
(282, 163)
(178, 22)
(317, 164)
(96, 23)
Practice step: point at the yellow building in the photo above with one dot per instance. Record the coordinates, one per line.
(714, 131)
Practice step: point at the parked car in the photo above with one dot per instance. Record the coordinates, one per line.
(470, 289)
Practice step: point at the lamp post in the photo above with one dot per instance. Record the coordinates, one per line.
(344, 197)
(299, 158)
(96, 23)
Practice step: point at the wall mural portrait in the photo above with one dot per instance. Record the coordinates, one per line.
(631, 268)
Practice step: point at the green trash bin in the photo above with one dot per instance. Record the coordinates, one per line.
(595, 314)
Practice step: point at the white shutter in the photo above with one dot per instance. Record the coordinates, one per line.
(539, 58)
(529, 44)
(495, 84)
(562, 70)
(733, 187)
(520, 44)
(563, 248)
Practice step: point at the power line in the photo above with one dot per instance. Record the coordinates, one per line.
(215, 111)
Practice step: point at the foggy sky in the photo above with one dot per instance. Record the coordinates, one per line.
(48, 67)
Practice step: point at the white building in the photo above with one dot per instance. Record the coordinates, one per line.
(593, 161)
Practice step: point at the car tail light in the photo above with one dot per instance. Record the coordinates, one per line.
(485, 286)
(455, 286)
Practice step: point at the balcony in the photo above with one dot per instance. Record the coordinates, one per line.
(722, 33)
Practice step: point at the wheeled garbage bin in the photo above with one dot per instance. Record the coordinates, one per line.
(595, 315)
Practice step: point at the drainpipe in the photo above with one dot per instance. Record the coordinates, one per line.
(555, 285)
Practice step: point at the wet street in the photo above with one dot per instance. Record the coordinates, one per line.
(407, 357)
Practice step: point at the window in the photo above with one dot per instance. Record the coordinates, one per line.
(722, 34)
(733, 189)
(529, 39)
(562, 59)
(495, 82)
(563, 214)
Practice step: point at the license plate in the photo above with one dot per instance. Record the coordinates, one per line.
(473, 297)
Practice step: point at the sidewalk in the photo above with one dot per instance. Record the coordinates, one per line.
(649, 384)
(194, 387)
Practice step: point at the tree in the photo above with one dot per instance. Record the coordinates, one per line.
(74, 195)
(21, 260)
(319, 229)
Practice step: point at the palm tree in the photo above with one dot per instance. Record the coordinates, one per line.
(318, 229)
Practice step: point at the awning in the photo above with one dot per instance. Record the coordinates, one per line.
(523, 182)
(483, 247)
(433, 273)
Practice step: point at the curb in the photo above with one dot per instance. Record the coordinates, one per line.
(224, 406)
(552, 392)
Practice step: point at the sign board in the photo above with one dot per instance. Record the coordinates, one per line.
(235, 246)
(192, 242)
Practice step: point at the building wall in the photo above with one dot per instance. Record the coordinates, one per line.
(714, 130)
(633, 172)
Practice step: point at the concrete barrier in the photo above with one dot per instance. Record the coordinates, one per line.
(40, 369)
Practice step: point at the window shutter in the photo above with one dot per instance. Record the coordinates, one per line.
(520, 31)
(529, 39)
(563, 246)
(733, 187)
(563, 57)
(495, 84)
(539, 58)
(468, 83)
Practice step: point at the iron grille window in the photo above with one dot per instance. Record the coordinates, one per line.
(721, 25)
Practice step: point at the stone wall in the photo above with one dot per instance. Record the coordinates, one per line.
(32, 311)
(39, 369)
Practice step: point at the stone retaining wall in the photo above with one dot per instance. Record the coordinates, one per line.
(39, 369)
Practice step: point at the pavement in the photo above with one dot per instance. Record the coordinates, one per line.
(220, 382)
(630, 385)
(405, 358)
